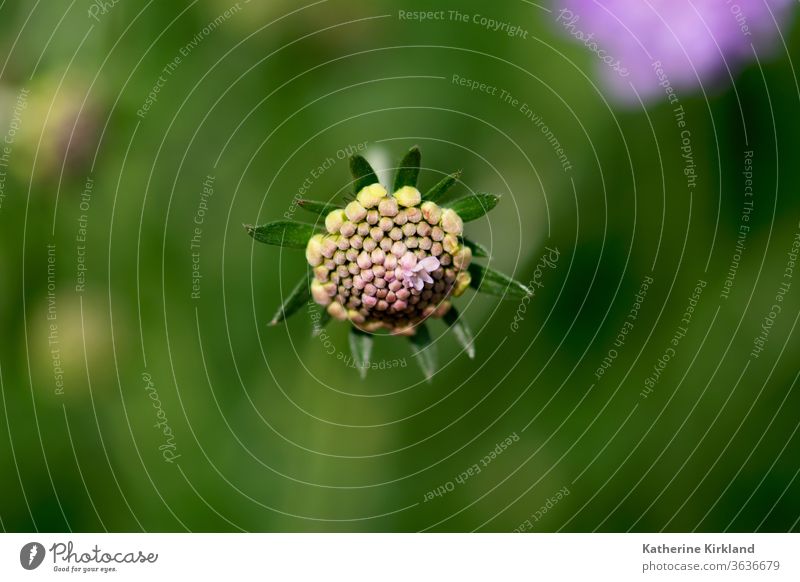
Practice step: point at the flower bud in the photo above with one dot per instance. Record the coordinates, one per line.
(463, 280)
(385, 224)
(388, 207)
(355, 316)
(376, 233)
(337, 311)
(371, 196)
(462, 258)
(377, 257)
(414, 215)
(396, 234)
(319, 293)
(401, 218)
(321, 273)
(348, 229)
(355, 212)
(408, 196)
(451, 222)
(405, 330)
(431, 212)
(329, 247)
(335, 220)
(314, 250)
(364, 260)
(385, 244)
(372, 326)
(450, 244)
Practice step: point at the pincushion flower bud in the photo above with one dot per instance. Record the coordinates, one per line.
(463, 280)
(371, 196)
(395, 277)
(391, 262)
(334, 221)
(314, 250)
(319, 294)
(462, 258)
(431, 212)
(408, 196)
(355, 212)
(451, 222)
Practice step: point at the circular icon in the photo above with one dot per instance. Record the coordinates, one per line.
(31, 555)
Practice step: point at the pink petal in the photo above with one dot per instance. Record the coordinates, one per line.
(408, 261)
(425, 277)
(418, 284)
(430, 264)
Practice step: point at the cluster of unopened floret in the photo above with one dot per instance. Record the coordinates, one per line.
(389, 261)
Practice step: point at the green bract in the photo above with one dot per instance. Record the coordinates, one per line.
(391, 261)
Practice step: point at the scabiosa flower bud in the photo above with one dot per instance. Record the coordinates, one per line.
(431, 212)
(451, 222)
(393, 261)
(314, 250)
(408, 196)
(355, 212)
(334, 221)
(371, 196)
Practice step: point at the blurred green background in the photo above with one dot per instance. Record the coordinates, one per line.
(270, 429)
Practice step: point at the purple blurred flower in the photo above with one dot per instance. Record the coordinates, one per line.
(692, 39)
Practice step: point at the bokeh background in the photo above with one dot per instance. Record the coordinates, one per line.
(129, 404)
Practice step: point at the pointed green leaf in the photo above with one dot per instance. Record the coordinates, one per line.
(283, 233)
(474, 206)
(489, 281)
(361, 348)
(425, 351)
(437, 192)
(408, 172)
(478, 250)
(299, 297)
(363, 174)
(462, 331)
(319, 325)
(318, 208)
